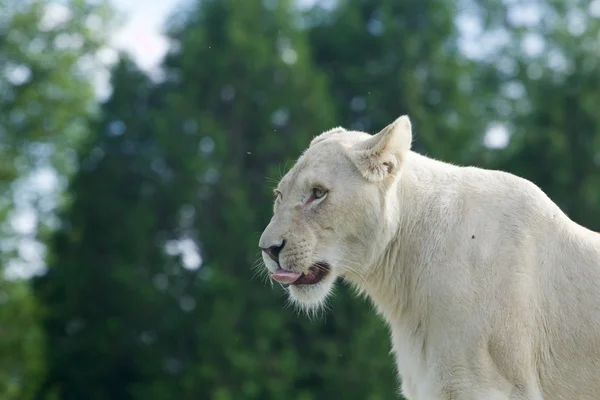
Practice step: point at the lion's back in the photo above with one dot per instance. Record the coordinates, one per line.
(559, 261)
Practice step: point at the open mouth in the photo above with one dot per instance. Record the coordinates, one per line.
(314, 275)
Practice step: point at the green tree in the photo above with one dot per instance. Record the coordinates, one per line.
(21, 365)
(44, 102)
(113, 296)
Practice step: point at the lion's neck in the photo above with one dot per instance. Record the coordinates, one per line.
(394, 283)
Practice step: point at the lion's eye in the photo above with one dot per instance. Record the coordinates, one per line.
(277, 194)
(318, 192)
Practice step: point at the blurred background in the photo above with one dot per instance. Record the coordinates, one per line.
(140, 141)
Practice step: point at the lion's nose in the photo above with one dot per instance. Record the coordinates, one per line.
(274, 251)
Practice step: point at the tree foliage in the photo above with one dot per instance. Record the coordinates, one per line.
(45, 47)
(45, 100)
(112, 294)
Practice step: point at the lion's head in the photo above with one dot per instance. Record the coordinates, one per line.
(335, 210)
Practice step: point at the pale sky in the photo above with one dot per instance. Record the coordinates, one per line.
(141, 34)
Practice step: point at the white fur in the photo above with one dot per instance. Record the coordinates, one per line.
(489, 289)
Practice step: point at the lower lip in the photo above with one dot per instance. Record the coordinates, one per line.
(315, 275)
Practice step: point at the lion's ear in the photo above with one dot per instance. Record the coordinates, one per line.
(382, 154)
(325, 135)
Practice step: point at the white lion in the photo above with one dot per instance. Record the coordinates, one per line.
(489, 289)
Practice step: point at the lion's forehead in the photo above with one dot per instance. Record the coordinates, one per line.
(323, 162)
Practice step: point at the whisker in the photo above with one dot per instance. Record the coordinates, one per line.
(257, 264)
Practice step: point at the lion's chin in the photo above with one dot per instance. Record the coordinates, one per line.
(313, 296)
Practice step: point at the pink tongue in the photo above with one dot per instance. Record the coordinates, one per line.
(284, 276)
